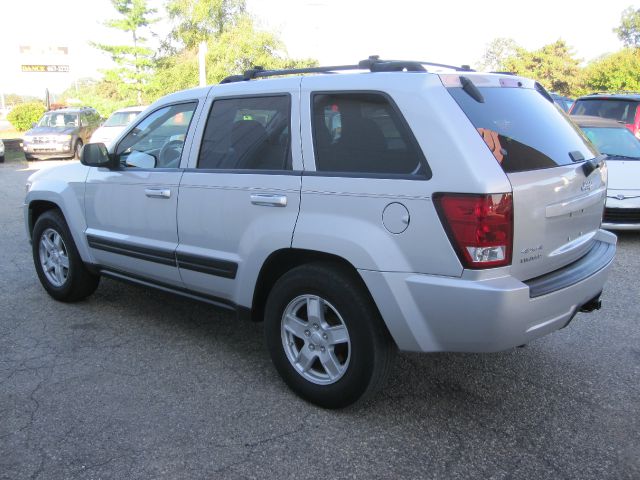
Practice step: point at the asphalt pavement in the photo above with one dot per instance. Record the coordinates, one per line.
(138, 384)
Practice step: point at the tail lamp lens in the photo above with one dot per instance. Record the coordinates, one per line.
(480, 227)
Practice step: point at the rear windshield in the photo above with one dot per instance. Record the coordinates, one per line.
(619, 110)
(615, 142)
(523, 130)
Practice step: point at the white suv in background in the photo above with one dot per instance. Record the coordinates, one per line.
(115, 124)
(389, 207)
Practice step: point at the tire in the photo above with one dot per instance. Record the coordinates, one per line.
(2, 159)
(77, 150)
(347, 356)
(58, 264)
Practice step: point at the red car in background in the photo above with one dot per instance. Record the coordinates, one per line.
(621, 107)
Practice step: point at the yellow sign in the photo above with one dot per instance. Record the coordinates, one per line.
(46, 68)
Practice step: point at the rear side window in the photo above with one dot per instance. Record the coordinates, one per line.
(249, 133)
(523, 130)
(363, 133)
(620, 110)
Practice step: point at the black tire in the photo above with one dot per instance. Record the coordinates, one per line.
(79, 282)
(77, 150)
(371, 348)
(2, 159)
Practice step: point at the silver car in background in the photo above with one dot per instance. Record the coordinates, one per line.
(622, 211)
(115, 124)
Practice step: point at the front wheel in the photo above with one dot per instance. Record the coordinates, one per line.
(77, 150)
(57, 261)
(325, 335)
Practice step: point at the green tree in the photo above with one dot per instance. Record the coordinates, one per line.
(629, 29)
(497, 51)
(135, 61)
(234, 44)
(617, 71)
(198, 21)
(23, 115)
(553, 65)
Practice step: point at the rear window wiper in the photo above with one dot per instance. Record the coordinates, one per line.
(592, 164)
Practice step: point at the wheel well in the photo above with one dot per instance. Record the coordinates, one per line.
(37, 208)
(279, 263)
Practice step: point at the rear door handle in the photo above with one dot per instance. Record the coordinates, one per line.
(157, 192)
(267, 200)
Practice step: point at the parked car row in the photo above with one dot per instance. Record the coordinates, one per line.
(61, 133)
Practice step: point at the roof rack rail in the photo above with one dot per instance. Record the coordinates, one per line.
(373, 64)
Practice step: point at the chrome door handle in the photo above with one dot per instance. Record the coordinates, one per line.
(267, 200)
(157, 192)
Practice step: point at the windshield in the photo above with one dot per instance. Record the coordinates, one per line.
(60, 120)
(619, 110)
(614, 141)
(121, 119)
(523, 129)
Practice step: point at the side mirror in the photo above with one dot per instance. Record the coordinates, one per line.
(97, 155)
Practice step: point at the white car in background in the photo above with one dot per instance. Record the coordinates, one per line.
(116, 123)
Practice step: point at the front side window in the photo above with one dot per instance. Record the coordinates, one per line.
(248, 133)
(157, 141)
(363, 133)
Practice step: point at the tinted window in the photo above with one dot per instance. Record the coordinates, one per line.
(615, 142)
(59, 119)
(363, 133)
(158, 138)
(121, 119)
(248, 133)
(619, 110)
(523, 130)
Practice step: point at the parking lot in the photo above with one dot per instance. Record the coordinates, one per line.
(134, 383)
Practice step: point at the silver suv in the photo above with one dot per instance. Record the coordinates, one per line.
(355, 214)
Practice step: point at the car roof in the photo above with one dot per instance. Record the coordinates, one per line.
(612, 96)
(591, 121)
(73, 110)
(138, 108)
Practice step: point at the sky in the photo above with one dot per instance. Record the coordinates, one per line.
(331, 31)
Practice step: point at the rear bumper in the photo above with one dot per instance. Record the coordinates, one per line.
(427, 313)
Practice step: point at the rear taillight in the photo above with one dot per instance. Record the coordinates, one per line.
(480, 227)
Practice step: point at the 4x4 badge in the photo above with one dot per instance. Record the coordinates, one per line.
(586, 185)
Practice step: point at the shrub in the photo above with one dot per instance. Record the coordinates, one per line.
(22, 116)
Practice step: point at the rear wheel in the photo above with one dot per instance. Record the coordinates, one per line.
(325, 336)
(58, 264)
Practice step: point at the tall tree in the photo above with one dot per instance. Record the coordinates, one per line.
(553, 65)
(498, 50)
(234, 44)
(198, 21)
(617, 71)
(135, 61)
(629, 29)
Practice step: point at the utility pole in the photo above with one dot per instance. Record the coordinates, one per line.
(202, 52)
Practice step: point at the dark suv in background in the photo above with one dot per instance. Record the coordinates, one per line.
(621, 107)
(61, 133)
